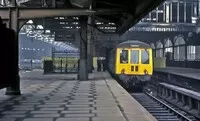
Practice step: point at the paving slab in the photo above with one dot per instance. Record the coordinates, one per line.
(57, 98)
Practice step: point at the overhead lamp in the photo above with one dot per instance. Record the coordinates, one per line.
(39, 27)
(75, 18)
(75, 23)
(45, 36)
(38, 31)
(31, 34)
(62, 23)
(61, 17)
(29, 27)
(30, 22)
(47, 31)
(51, 40)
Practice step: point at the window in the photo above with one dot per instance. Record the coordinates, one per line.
(134, 56)
(191, 52)
(145, 57)
(124, 56)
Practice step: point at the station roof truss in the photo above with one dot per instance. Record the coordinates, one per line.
(110, 16)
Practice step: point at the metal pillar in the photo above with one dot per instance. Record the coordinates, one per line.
(185, 16)
(54, 3)
(14, 24)
(183, 100)
(90, 42)
(198, 108)
(83, 71)
(2, 2)
(163, 91)
(178, 7)
(185, 54)
(177, 97)
(190, 103)
(171, 94)
(171, 12)
(90, 39)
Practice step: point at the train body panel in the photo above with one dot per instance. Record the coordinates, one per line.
(139, 61)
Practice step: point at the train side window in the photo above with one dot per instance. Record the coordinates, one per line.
(134, 56)
(145, 57)
(124, 56)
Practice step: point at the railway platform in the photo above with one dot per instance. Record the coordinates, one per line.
(184, 72)
(64, 98)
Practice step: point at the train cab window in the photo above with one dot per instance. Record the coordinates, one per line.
(145, 57)
(134, 56)
(124, 56)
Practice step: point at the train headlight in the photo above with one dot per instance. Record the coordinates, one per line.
(123, 71)
(145, 72)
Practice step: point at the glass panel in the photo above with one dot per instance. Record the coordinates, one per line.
(145, 57)
(134, 56)
(124, 56)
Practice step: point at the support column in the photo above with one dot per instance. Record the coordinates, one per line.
(54, 3)
(178, 7)
(171, 94)
(190, 103)
(177, 97)
(185, 16)
(83, 73)
(198, 107)
(183, 100)
(163, 91)
(14, 89)
(2, 2)
(90, 41)
(185, 54)
(90, 36)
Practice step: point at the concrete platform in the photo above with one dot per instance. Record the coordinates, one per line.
(57, 98)
(185, 72)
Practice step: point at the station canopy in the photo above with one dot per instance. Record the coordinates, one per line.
(128, 13)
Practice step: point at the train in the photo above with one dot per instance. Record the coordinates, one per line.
(131, 62)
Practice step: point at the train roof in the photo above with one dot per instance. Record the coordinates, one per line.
(133, 43)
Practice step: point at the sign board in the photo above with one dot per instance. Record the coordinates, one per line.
(64, 36)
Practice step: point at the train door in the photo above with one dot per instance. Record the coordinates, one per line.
(134, 65)
(122, 62)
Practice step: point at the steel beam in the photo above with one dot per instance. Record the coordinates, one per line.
(29, 13)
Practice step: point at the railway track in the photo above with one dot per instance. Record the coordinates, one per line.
(160, 109)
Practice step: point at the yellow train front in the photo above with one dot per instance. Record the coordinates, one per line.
(131, 62)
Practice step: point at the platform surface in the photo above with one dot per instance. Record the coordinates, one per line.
(63, 98)
(185, 72)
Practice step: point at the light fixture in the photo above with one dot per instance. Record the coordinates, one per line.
(39, 27)
(47, 31)
(30, 22)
